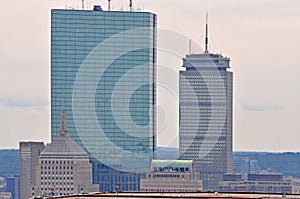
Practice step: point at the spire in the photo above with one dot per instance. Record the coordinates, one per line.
(206, 35)
(63, 124)
(63, 132)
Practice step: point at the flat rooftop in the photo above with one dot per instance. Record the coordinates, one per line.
(143, 195)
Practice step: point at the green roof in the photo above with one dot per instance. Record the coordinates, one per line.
(171, 163)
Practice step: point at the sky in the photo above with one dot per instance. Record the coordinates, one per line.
(261, 37)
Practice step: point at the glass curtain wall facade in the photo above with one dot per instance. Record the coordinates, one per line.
(103, 72)
(205, 116)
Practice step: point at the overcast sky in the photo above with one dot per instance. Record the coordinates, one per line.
(260, 36)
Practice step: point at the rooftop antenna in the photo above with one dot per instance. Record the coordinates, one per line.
(139, 8)
(130, 6)
(109, 5)
(206, 35)
(82, 4)
(190, 47)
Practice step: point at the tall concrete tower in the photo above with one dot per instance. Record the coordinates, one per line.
(205, 115)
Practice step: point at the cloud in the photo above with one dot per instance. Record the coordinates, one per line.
(260, 107)
(22, 102)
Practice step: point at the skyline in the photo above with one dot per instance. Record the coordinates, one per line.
(260, 38)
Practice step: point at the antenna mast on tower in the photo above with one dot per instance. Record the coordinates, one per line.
(130, 6)
(206, 35)
(82, 6)
(109, 5)
(190, 47)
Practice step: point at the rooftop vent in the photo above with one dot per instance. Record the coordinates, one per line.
(97, 8)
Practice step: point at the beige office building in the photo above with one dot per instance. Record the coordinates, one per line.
(63, 167)
(29, 153)
(172, 176)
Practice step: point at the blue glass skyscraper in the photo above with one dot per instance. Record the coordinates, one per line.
(103, 71)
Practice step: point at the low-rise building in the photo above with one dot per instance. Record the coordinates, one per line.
(172, 176)
(5, 195)
(256, 183)
(63, 167)
(295, 184)
(13, 186)
(2, 184)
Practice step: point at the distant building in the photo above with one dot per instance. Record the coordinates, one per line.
(244, 165)
(232, 177)
(295, 184)
(106, 62)
(2, 184)
(63, 167)
(13, 186)
(265, 177)
(5, 195)
(29, 153)
(172, 176)
(205, 115)
(257, 183)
